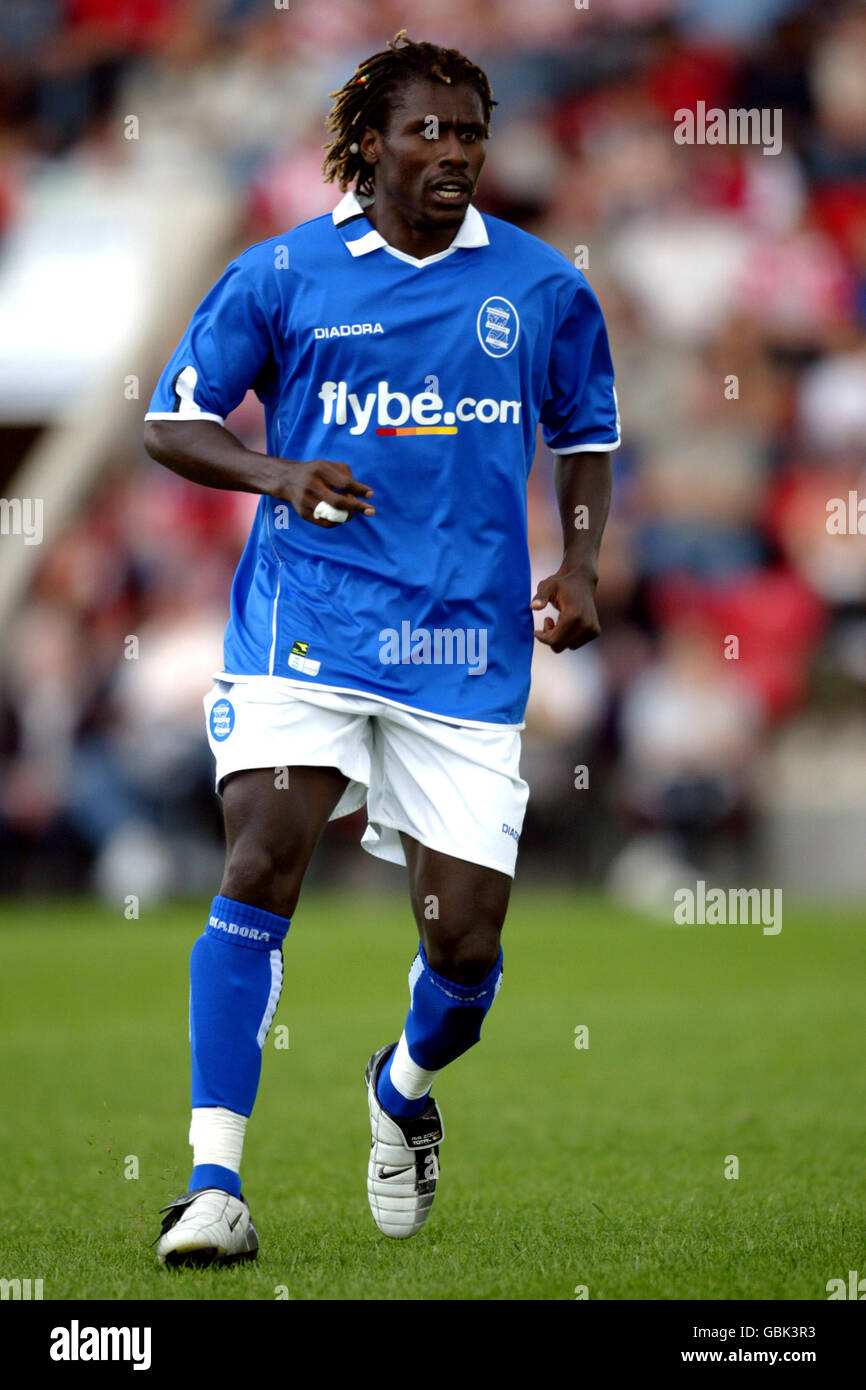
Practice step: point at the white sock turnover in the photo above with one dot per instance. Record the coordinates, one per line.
(407, 1077)
(217, 1136)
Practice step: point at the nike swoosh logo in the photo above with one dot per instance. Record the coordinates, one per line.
(232, 1224)
(394, 1172)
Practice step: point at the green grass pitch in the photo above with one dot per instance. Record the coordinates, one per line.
(602, 1166)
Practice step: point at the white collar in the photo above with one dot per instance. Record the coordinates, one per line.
(471, 232)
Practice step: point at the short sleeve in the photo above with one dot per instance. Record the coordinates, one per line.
(580, 411)
(226, 346)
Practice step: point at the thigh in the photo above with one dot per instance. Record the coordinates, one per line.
(284, 767)
(272, 830)
(282, 812)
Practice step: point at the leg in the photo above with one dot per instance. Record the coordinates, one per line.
(461, 926)
(459, 908)
(235, 981)
(236, 966)
(458, 788)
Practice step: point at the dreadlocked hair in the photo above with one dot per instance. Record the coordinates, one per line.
(365, 101)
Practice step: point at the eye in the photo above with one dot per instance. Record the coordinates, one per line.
(471, 136)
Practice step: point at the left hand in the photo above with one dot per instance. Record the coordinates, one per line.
(573, 594)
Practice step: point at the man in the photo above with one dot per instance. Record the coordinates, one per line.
(379, 646)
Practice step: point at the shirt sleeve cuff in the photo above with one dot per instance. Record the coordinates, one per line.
(178, 415)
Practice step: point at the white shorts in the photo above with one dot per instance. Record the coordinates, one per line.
(453, 787)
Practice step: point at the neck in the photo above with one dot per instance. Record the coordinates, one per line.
(418, 240)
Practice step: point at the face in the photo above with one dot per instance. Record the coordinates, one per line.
(428, 159)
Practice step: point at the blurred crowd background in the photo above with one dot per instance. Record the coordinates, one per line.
(734, 288)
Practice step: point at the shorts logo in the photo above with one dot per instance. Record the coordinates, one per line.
(509, 830)
(222, 720)
(498, 326)
(299, 661)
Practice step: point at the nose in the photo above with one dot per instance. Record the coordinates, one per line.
(452, 152)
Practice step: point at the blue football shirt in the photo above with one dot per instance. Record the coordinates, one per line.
(429, 378)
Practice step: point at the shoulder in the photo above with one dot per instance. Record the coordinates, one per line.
(509, 240)
(311, 233)
(548, 266)
(259, 261)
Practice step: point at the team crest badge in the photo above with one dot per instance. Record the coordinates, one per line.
(222, 719)
(498, 326)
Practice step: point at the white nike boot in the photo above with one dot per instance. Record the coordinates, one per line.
(404, 1159)
(207, 1227)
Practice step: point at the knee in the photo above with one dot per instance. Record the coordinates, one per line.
(466, 957)
(255, 875)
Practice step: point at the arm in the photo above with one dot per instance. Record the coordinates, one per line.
(583, 480)
(208, 453)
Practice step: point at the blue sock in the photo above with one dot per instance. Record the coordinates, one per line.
(236, 974)
(444, 1021)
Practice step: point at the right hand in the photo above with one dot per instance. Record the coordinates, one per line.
(306, 484)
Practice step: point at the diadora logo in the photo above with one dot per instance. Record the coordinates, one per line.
(509, 830)
(498, 326)
(347, 330)
(396, 413)
(232, 929)
(299, 661)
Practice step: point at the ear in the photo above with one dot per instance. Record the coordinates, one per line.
(371, 146)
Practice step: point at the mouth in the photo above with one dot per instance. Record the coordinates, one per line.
(451, 192)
